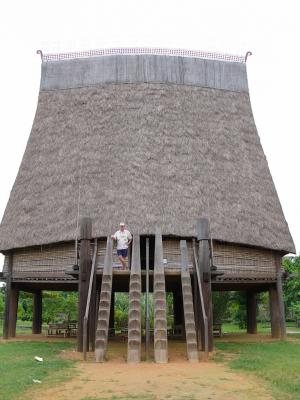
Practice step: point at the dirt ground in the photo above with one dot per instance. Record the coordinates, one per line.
(178, 379)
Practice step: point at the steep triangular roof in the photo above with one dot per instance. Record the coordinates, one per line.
(155, 140)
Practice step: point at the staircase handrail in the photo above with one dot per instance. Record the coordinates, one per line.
(87, 309)
(202, 303)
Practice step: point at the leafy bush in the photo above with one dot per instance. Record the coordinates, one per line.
(291, 286)
(56, 306)
(220, 306)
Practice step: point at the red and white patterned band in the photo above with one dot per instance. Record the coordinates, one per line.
(142, 50)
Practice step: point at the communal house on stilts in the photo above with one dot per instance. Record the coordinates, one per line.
(165, 140)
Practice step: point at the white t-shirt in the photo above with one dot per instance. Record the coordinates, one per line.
(122, 239)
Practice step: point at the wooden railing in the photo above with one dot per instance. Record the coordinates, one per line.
(87, 309)
(205, 322)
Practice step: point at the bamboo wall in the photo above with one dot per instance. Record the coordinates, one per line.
(44, 262)
(51, 261)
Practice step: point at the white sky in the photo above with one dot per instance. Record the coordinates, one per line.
(270, 29)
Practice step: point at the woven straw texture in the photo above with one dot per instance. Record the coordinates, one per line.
(152, 155)
(51, 261)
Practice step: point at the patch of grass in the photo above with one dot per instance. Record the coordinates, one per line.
(23, 327)
(18, 367)
(261, 328)
(277, 363)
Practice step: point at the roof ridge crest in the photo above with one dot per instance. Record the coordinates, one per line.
(48, 57)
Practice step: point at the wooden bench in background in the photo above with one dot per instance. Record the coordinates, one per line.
(217, 330)
(62, 329)
(59, 329)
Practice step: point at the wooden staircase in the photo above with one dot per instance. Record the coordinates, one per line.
(160, 308)
(134, 313)
(104, 306)
(189, 317)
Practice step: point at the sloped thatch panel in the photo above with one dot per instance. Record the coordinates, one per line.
(150, 154)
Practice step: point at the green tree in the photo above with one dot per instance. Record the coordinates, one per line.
(58, 306)
(291, 286)
(121, 310)
(237, 308)
(25, 306)
(220, 306)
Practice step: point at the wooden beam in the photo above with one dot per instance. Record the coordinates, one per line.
(7, 296)
(251, 312)
(85, 264)
(37, 312)
(202, 229)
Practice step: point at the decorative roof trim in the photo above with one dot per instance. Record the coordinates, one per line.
(143, 50)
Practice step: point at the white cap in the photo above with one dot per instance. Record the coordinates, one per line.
(122, 223)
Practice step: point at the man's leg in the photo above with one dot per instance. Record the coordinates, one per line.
(123, 262)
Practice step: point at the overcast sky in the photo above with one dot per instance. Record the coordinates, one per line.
(270, 29)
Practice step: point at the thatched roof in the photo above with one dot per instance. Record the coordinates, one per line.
(158, 142)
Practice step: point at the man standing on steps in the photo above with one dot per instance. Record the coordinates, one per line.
(123, 238)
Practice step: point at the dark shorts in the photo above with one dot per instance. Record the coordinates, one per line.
(122, 252)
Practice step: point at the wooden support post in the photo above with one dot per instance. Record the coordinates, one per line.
(7, 296)
(278, 260)
(251, 312)
(85, 264)
(13, 310)
(274, 312)
(277, 313)
(204, 267)
(37, 313)
(147, 322)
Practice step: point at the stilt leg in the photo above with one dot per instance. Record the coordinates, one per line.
(251, 312)
(13, 310)
(37, 313)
